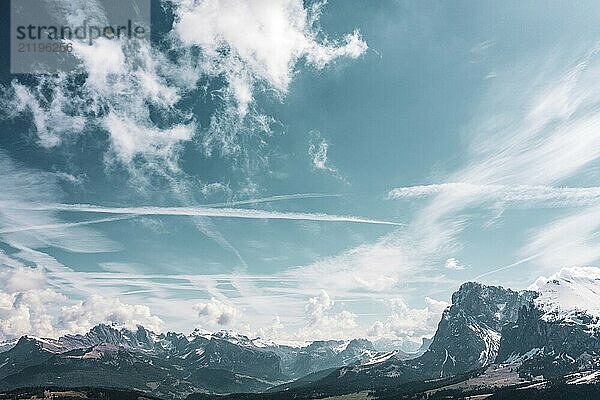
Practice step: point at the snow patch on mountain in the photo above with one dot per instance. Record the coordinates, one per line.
(568, 293)
(515, 357)
(585, 378)
(7, 345)
(379, 358)
(491, 340)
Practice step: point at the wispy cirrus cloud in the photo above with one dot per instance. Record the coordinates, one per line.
(37, 229)
(506, 195)
(518, 159)
(515, 159)
(570, 240)
(318, 151)
(62, 225)
(284, 197)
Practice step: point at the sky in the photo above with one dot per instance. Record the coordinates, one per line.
(299, 170)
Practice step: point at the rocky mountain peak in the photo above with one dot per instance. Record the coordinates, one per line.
(492, 305)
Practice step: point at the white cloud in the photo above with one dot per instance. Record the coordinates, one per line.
(453, 263)
(51, 121)
(104, 61)
(317, 306)
(480, 50)
(252, 45)
(373, 267)
(258, 42)
(409, 324)
(322, 323)
(216, 313)
(517, 158)
(284, 197)
(19, 279)
(400, 257)
(318, 151)
(130, 138)
(61, 225)
(30, 306)
(121, 85)
(96, 309)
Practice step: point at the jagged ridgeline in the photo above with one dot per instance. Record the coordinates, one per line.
(171, 364)
(491, 340)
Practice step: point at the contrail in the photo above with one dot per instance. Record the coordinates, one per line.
(532, 257)
(64, 224)
(522, 261)
(269, 199)
(201, 212)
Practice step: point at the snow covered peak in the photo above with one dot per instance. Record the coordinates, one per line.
(202, 333)
(568, 292)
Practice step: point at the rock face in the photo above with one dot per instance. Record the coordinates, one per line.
(559, 331)
(468, 335)
(170, 365)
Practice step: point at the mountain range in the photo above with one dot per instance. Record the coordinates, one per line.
(172, 364)
(490, 338)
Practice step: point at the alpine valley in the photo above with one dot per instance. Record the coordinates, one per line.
(492, 342)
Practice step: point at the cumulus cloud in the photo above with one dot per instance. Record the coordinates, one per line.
(316, 307)
(258, 42)
(454, 263)
(30, 306)
(273, 330)
(96, 309)
(323, 323)
(408, 324)
(216, 313)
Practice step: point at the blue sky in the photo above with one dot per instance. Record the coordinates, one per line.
(301, 171)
